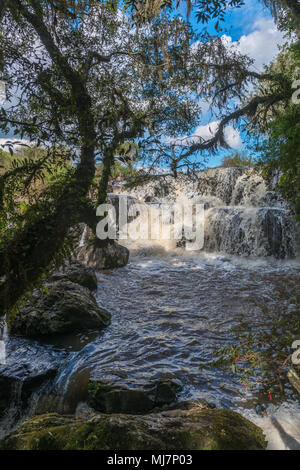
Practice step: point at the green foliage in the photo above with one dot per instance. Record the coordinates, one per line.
(260, 356)
(119, 171)
(207, 10)
(5, 161)
(281, 150)
(237, 159)
(280, 145)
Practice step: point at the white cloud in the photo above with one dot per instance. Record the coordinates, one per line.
(261, 44)
(205, 133)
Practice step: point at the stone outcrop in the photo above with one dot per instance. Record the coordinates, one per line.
(109, 256)
(64, 308)
(79, 274)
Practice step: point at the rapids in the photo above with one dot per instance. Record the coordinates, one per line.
(171, 309)
(169, 312)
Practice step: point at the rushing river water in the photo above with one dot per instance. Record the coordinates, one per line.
(169, 313)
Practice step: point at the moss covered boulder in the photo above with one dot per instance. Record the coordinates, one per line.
(64, 308)
(194, 429)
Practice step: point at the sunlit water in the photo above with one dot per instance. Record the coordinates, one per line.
(169, 313)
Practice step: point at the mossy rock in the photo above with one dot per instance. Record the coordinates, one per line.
(194, 429)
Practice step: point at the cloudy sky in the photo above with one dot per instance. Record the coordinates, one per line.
(252, 30)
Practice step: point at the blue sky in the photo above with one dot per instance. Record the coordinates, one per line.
(239, 21)
(253, 30)
(253, 26)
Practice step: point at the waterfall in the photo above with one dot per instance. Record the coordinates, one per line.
(245, 215)
(246, 231)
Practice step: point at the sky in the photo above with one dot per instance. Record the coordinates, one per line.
(251, 29)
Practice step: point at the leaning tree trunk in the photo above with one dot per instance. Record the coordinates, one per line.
(25, 258)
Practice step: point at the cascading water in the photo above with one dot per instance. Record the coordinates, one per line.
(171, 308)
(244, 214)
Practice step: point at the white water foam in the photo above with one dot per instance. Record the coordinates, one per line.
(281, 425)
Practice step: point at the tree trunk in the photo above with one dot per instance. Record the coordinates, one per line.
(26, 257)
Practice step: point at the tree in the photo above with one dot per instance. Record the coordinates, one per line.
(85, 80)
(278, 134)
(235, 159)
(85, 85)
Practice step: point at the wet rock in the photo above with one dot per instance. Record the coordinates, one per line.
(65, 308)
(112, 398)
(19, 385)
(165, 392)
(194, 429)
(109, 256)
(79, 274)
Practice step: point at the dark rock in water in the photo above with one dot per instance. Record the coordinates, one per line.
(79, 274)
(26, 377)
(194, 429)
(112, 398)
(166, 392)
(66, 307)
(109, 256)
(19, 384)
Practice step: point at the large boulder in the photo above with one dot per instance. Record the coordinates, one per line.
(195, 429)
(114, 398)
(79, 274)
(64, 308)
(109, 256)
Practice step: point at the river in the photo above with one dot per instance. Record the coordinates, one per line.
(171, 309)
